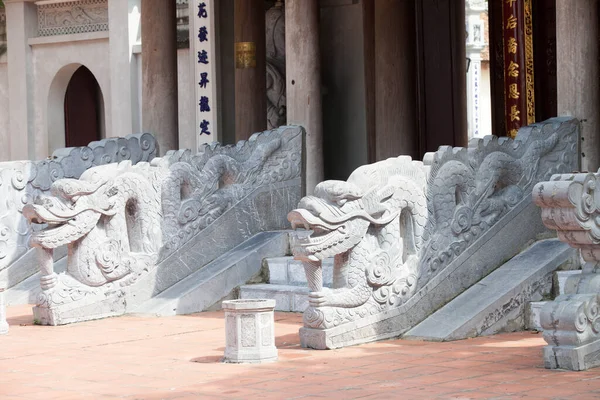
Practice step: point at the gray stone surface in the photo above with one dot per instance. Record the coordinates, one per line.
(533, 320)
(199, 291)
(287, 271)
(409, 236)
(22, 181)
(141, 229)
(571, 323)
(249, 331)
(499, 302)
(288, 298)
(287, 284)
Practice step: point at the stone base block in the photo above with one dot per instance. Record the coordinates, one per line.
(77, 312)
(250, 331)
(572, 358)
(534, 310)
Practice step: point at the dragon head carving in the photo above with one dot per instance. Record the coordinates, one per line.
(72, 211)
(339, 214)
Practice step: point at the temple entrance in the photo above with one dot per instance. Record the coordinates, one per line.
(83, 106)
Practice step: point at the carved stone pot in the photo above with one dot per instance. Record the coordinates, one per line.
(3, 323)
(250, 331)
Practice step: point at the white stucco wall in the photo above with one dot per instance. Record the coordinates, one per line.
(53, 66)
(4, 115)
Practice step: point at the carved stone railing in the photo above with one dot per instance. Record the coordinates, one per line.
(571, 205)
(21, 182)
(69, 17)
(133, 231)
(409, 236)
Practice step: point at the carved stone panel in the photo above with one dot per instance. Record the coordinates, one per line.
(71, 17)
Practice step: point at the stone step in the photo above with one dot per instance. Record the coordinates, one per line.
(209, 285)
(287, 297)
(287, 271)
(499, 301)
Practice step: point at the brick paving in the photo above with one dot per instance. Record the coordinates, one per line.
(179, 358)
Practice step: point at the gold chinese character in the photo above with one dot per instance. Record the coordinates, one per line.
(511, 23)
(512, 133)
(512, 45)
(514, 113)
(510, 2)
(513, 69)
(513, 92)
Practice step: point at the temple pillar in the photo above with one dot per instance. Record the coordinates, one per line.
(395, 77)
(578, 73)
(303, 81)
(21, 24)
(124, 106)
(250, 68)
(159, 73)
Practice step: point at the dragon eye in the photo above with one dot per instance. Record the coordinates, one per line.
(341, 202)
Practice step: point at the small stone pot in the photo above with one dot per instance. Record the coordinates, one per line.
(3, 323)
(249, 331)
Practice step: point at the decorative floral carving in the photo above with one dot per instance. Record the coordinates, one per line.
(70, 17)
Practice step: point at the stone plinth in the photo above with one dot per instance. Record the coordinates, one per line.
(3, 323)
(249, 329)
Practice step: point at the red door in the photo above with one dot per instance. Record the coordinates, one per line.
(82, 109)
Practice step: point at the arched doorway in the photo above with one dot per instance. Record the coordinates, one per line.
(83, 109)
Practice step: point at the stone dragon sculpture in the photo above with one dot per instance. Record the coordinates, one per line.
(120, 220)
(23, 181)
(394, 225)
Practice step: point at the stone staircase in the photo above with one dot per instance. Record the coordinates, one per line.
(287, 284)
(541, 265)
(502, 301)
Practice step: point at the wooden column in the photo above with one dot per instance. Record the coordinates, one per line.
(395, 79)
(159, 73)
(250, 68)
(303, 81)
(519, 94)
(578, 73)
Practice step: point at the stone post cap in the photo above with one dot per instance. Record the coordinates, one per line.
(249, 304)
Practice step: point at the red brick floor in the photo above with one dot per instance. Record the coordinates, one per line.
(178, 358)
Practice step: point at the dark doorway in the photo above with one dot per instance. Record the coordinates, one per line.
(83, 109)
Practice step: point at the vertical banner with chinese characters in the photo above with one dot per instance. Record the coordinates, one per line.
(203, 45)
(518, 65)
